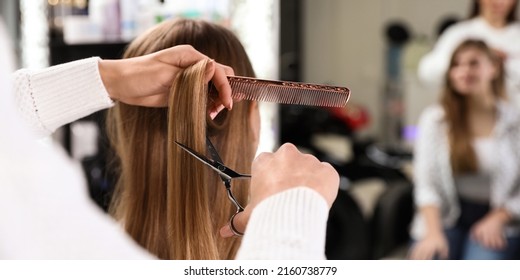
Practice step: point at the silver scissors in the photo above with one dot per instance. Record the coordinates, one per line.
(226, 175)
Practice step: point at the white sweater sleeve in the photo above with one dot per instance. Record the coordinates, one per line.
(433, 66)
(45, 211)
(512, 198)
(426, 167)
(512, 69)
(51, 97)
(288, 225)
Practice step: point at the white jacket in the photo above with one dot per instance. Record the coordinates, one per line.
(433, 179)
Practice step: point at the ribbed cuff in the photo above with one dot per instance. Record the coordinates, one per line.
(288, 225)
(67, 92)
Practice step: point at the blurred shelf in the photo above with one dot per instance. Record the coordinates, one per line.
(61, 52)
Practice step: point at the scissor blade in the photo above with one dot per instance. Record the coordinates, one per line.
(212, 151)
(220, 168)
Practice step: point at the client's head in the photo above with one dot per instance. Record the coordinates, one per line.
(170, 203)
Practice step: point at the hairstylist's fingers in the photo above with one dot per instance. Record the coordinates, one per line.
(228, 70)
(214, 110)
(210, 70)
(226, 232)
(240, 223)
(221, 83)
(288, 148)
(181, 56)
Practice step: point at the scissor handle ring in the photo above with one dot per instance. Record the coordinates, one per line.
(235, 231)
(239, 207)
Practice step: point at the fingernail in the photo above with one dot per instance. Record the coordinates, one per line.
(213, 114)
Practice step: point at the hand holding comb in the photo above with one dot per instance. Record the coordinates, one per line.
(286, 92)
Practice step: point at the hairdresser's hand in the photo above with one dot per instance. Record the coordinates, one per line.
(500, 54)
(433, 245)
(287, 168)
(146, 80)
(489, 231)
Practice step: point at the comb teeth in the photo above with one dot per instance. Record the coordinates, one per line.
(287, 92)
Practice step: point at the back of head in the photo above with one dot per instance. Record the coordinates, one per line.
(169, 202)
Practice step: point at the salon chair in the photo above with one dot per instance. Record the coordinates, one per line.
(348, 236)
(391, 220)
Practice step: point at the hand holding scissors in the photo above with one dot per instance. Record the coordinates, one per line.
(273, 173)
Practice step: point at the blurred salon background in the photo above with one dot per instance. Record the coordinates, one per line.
(372, 47)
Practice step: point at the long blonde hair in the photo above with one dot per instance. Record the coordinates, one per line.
(170, 203)
(462, 155)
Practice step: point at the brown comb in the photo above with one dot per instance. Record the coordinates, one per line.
(287, 92)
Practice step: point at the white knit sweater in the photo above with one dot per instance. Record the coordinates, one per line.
(434, 65)
(45, 211)
(433, 179)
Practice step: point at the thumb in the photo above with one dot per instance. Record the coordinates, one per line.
(210, 70)
(240, 222)
(226, 231)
